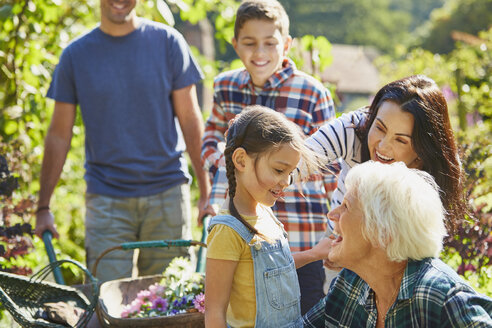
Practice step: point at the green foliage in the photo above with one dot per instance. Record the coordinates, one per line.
(420, 11)
(32, 35)
(473, 240)
(15, 211)
(318, 50)
(465, 73)
(373, 22)
(221, 12)
(470, 16)
(312, 55)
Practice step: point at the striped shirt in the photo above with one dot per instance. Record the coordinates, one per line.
(303, 100)
(431, 295)
(337, 140)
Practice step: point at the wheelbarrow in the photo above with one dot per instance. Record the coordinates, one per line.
(116, 294)
(26, 298)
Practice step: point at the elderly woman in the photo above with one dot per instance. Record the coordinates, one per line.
(389, 231)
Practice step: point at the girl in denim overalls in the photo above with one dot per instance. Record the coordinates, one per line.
(251, 278)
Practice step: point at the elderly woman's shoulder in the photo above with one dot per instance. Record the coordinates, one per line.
(435, 277)
(439, 292)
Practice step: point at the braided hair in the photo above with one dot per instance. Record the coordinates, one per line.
(260, 130)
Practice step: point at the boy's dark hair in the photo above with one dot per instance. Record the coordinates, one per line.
(270, 10)
(260, 130)
(432, 136)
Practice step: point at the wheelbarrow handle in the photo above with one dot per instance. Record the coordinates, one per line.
(47, 238)
(202, 253)
(160, 243)
(147, 244)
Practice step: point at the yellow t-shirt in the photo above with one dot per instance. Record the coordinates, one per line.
(224, 243)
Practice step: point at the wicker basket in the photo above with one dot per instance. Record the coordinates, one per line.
(23, 297)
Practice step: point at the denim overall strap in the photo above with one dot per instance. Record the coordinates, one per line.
(233, 223)
(276, 285)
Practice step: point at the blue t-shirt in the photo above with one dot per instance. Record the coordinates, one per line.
(133, 142)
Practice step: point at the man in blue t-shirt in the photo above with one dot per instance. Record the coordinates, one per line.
(134, 81)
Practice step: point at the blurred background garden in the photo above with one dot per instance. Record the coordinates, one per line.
(353, 46)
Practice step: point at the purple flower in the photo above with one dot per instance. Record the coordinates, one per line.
(160, 304)
(199, 302)
(448, 93)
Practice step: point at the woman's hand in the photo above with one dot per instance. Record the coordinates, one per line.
(319, 252)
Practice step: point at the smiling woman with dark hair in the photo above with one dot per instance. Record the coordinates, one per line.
(408, 122)
(388, 235)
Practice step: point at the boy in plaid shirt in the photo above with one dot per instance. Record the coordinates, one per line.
(261, 40)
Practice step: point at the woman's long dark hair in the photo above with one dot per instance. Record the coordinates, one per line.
(260, 130)
(432, 137)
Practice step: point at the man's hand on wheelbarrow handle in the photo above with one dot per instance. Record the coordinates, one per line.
(45, 221)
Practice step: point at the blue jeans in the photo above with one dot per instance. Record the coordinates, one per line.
(311, 280)
(111, 221)
(276, 285)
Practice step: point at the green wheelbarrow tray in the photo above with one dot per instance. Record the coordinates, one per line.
(115, 294)
(24, 297)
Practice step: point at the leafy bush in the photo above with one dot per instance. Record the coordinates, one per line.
(15, 212)
(473, 239)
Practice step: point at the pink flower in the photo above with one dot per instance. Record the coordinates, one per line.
(125, 313)
(136, 305)
(199, 302)
(145, 296)
(160, 304)
(157, 289)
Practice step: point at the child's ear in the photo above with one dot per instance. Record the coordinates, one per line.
(239, 158)
(287, 44)
(234, 43)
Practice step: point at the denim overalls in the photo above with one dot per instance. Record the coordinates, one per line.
(276, 285)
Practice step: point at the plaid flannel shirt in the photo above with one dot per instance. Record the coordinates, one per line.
(431, 295)
(303, 100)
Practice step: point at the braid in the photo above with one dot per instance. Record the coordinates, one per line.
(231, 179)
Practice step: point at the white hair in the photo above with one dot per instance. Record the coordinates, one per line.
(403, 213)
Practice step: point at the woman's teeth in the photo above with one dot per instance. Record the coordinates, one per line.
(276, 193)
(384, 158)
(337, 237)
